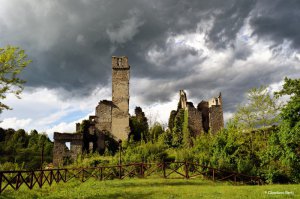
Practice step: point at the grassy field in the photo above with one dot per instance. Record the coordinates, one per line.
(154, 188)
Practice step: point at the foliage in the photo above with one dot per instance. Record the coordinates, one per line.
(155, 131)
(177, 130)
(12, 61)
(250, 147)
(111, 145)
(19, 148)
(167, 138)
(144, 152)
(139, 128)
(91, 160)
(288, 137)
(178, 124)
(11, 166)
(84, 127)
(290, 113)
(261, 110)
(171, 119)
(187, 138)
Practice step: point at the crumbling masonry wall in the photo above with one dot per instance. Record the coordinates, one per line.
(103, 115)
(109, 124)
(60, 150)
(216, 118)
(203, 108)
(208, 116)
(194, 121)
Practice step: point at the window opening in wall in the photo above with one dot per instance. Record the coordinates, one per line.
(68, 145)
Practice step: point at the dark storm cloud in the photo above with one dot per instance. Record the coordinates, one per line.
(71, 42)
(278, 21)
(229, 21)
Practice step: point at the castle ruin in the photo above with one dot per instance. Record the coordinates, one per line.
(110, 122)
(207, 116)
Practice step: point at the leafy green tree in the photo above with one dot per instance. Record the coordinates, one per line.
(12, 61)
(171, 120)
(178, 128)
(166, 137)
(19, 148)
(261, 110)
(155, 131)
(290, 112)
(186, 135)
(289, 133)
(139, 128)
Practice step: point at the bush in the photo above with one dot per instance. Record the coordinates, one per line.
(91, 160)
(9, 166)
(145, 152)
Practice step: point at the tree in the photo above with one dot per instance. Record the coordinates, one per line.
(12, 62)
(290, 112)
(289, 133)
(261, 110)
(23, 149)
(155, 131)
(178, 128)
(139, 128)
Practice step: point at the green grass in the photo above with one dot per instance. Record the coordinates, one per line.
(151, 188)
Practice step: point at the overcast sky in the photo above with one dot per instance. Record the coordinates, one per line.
(202, 46)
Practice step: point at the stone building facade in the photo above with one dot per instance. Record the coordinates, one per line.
(207, 116)
(111, 120)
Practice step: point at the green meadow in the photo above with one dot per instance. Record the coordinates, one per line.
(155, 188)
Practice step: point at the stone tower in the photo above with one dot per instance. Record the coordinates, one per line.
(120, 97)
(216, 120)
(111, 117)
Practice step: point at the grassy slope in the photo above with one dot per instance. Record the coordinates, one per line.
(151, 188)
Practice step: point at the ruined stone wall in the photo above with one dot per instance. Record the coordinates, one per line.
(215, 101)
(103, 113)
(194, 121)
(60, 150)
(216, 121)
(208, 116)
(204, 110)
(100, 143)
(110, 122)
(75, 149)
(182, 100)
(120, 97)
